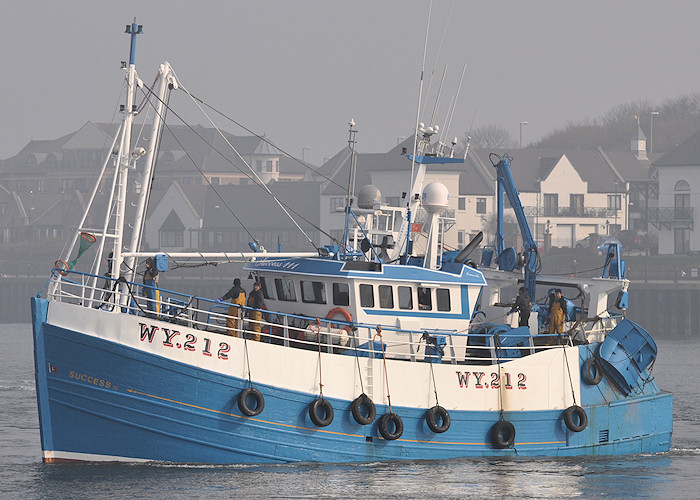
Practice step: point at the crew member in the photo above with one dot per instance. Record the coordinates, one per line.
(150, 290)
(522, 306)
(236, 295)
(257, 302)
(557, 311)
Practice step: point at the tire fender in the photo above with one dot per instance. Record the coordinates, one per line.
(438, 419)
(256, 396)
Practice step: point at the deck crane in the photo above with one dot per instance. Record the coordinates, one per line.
(508, 258)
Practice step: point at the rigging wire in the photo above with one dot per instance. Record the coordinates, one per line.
(268, 142)
(259, 183)
(228, 160)
(257, 177)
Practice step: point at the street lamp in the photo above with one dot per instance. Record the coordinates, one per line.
(521, 133)
(302, 152)
(651, 131)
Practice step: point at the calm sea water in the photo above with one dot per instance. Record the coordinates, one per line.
(671, 475)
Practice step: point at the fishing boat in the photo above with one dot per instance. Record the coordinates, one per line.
(377, 348)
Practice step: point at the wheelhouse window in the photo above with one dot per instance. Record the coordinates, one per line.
(285, 289)
(425, 300)
(266, 287)
(313, 291)
(386, 297)
(341, 294)
(405, 297)
(366, 296)
(442, 295)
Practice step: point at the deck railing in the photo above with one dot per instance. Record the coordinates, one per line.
(484, 344)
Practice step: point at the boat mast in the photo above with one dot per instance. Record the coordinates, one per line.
(124, 159)
(352, 141)
(167, 83)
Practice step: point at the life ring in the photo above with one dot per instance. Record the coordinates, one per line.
(321, 412)
(383, 425)
(574, 414)
(592, 371)
(437, 414)
(344, 313)
(66, 267)
(356, 407)
(256, 396)
(503, 434)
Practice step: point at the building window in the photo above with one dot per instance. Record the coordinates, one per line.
(386, 297)
(285, 289)
(172, 239)
(341, 294)
(214, 181)
(576, 204)
(313, 292)
(681, 240)
(366, 296)
(336, 203)
(443, 299)
(615, 201)
(269, 166)
(460, 238)
(481, 205)
(461, 203)
(551, 204)
(41, 185)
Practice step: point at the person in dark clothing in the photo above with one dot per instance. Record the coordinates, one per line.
(522, 306)
(150, 291)
(107, 286)
(235, 295)
(256, 300)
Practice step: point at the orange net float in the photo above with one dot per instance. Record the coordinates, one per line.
(61, 263)
(89, 237)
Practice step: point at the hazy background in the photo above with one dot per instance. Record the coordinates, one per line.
(299, 70)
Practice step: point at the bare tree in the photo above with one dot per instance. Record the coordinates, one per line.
(491, 137)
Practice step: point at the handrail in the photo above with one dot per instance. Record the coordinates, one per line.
(482, 345)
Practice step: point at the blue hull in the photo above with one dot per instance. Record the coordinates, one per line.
(100, 399)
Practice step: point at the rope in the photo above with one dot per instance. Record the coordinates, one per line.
(568, 369)
(432, 375)
(247, 358)
(357, 362)
(320, 371)
(497, 345)
(283, 205)
(386, 374)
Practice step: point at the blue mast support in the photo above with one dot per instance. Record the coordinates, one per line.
(133, 30)
(506, 185)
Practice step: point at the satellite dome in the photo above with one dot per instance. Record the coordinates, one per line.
(368, 196)
(436, 197)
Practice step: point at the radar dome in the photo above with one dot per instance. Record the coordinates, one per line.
(368, 196)
(435, 197)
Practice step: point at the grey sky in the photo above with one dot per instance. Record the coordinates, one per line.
(299, 70)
